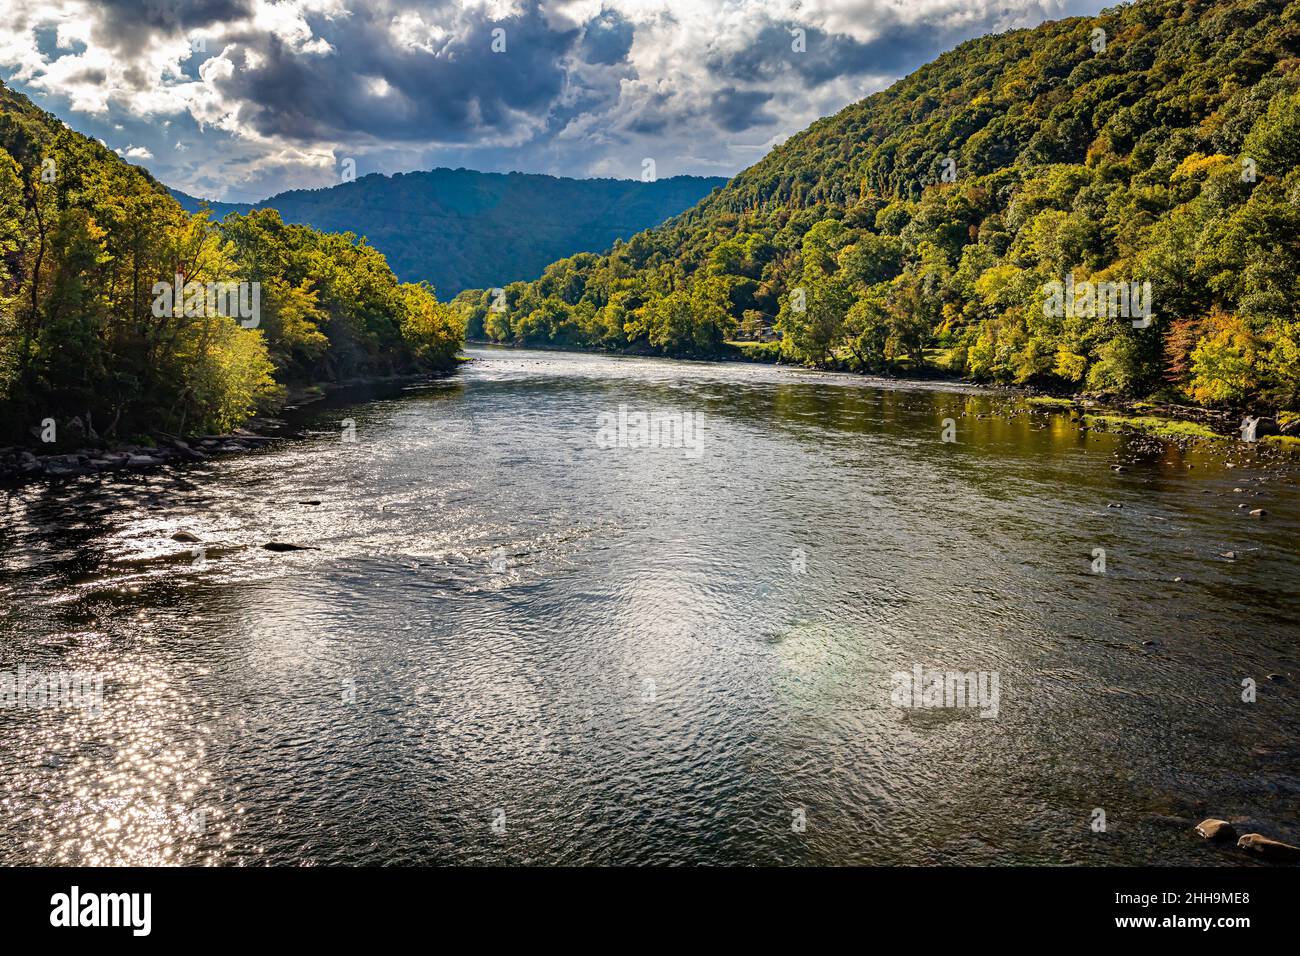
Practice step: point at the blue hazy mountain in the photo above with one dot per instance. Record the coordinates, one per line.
(461, 229)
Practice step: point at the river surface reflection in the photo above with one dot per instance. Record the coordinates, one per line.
(515, 645)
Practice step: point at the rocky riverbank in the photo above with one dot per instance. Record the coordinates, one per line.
(23, 464)
(19, 464)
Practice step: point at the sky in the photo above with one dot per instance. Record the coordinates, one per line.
(237, 100)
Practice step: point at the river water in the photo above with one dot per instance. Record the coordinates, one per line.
(524, 641)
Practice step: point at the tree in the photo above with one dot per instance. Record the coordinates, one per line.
(431, 329)
(1225, 362)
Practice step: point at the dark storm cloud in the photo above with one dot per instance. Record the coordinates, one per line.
(126, 25)
(88, 76)
(736, 110)
(607, 38)
(452, 92)
(897, 49)
(653, 116)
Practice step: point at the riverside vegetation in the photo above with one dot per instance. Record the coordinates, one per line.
(921, 228)
(1156, 146)
(87, 361)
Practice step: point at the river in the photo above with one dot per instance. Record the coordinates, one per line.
(529, 638)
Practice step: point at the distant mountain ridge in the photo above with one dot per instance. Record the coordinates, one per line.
(460, 229)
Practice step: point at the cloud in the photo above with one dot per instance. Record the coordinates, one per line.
(245, 97)
(462, 90)
(736, 110)
(606, 39)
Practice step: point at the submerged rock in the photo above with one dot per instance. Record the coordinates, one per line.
(286, 546)
(1219, 831)
(1168, 820)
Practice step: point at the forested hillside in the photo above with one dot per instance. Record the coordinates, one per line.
(1158, 142)
(87, 243)
(459, 229)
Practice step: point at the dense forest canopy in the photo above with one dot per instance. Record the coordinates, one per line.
(460, 229)
(86, 244)
(1156, 143)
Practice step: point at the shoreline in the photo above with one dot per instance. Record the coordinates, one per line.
(1167, 420)
(21, 464)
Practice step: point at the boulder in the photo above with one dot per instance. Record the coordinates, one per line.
(184, 450)
(1266, 426)
(64, 471)
(186, 537)
(1218, 831)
